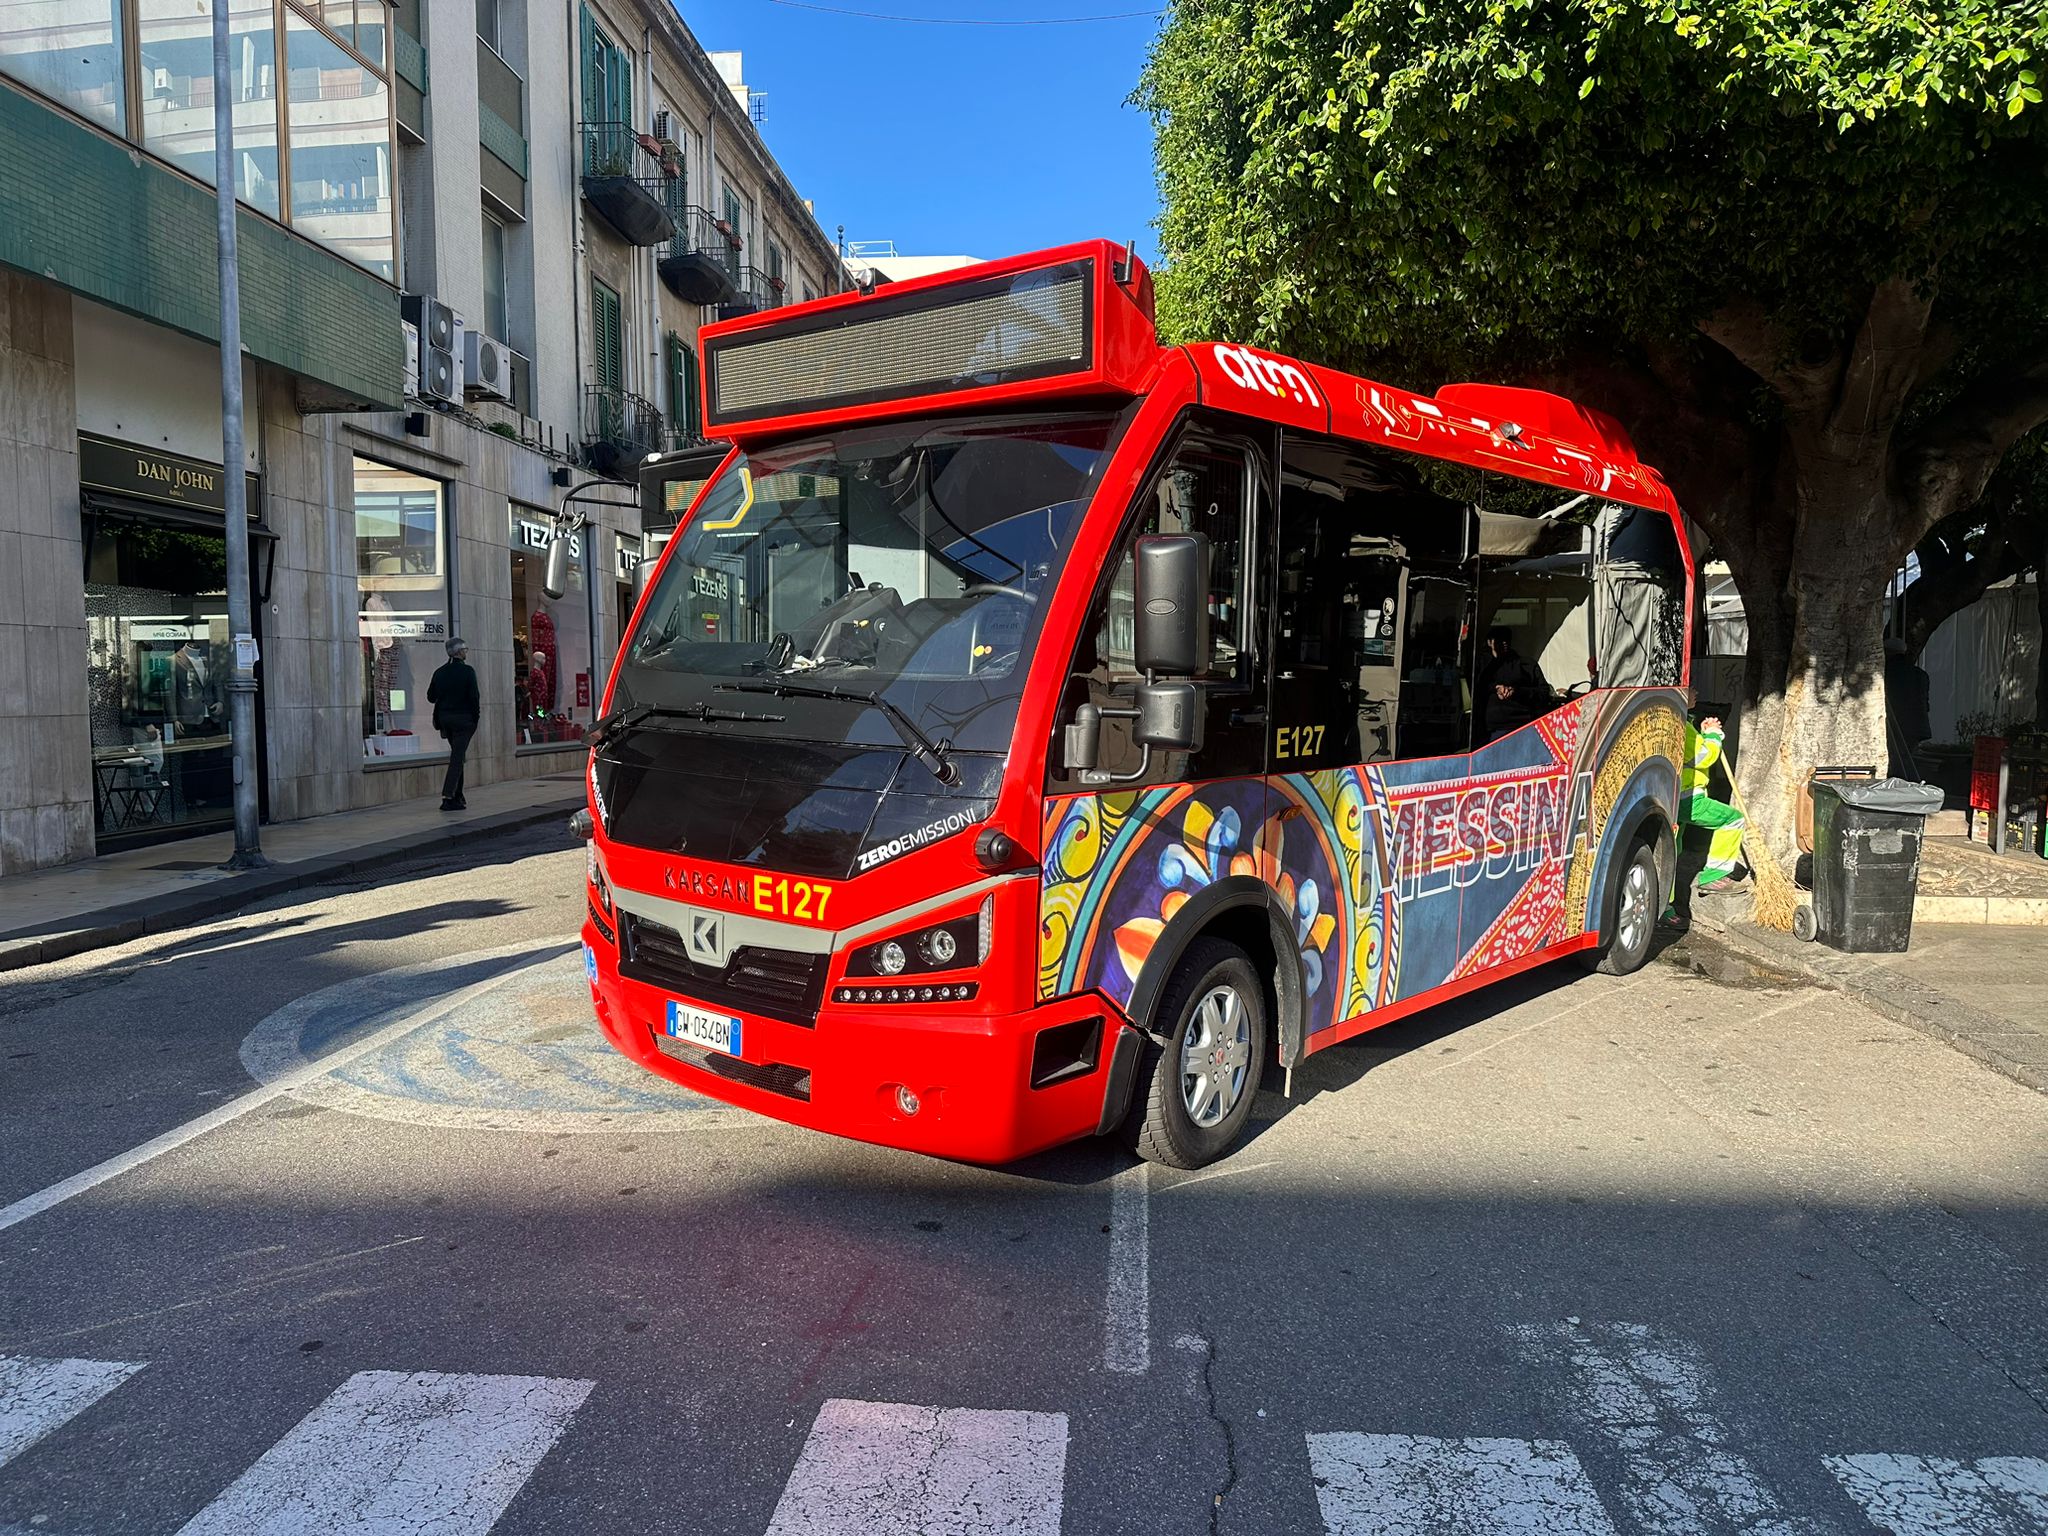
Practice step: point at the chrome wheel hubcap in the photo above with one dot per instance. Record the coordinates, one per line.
(1636, 915)
(1215, 1056)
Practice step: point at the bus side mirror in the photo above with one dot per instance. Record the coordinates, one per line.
(1172, 571)
(1169, 716)
(1084, 738)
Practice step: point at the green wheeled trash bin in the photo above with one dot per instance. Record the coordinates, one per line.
(1866, 861)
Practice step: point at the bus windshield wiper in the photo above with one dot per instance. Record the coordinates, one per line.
(622, 720)
(931, 753)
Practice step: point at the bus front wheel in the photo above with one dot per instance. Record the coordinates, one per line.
(1195, 1093)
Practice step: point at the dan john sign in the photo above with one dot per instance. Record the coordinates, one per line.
(133, 470)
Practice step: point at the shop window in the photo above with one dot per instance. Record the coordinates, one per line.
(157, 661)
(70, 51)
(554, 683)
(402, 605)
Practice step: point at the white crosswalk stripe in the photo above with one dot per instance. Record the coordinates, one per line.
(396, 1454)
(1401, 1485)
(1933, 1496)
(38, 1396)
(893, 1469)
(391, 1454)
(1646, 1395)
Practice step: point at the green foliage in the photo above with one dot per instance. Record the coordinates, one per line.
(1461, 187)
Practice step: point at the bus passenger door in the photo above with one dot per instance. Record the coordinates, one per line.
(1141, 850)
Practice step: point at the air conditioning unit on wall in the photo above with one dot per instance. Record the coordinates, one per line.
(412, 359)
(487, 370)
(440, 345)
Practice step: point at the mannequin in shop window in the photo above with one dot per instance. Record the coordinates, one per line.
(540, 668)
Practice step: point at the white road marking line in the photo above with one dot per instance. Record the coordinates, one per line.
(1127, 1309)
(391, 1454)
(1933, 1496)
(1647, 1395)
(1418, 1485)
(56, 1194)
(892, 1469)
(40, 1396)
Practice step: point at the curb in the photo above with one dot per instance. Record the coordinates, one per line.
(2001, 910)
(1891, 994)
(217, 898)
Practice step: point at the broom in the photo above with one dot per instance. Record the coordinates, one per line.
(1774, 901)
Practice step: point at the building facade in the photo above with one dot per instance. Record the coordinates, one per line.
(453, 169)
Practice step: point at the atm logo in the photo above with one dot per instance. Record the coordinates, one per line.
(1267, 375)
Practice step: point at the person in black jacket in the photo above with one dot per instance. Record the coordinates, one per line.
(1512, 690)
(457, 707)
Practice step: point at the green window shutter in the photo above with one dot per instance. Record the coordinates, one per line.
(672, 354)
(592, 109)
(625, 112)
(692, 412)
(608, 347)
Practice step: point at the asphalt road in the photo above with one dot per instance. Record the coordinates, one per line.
(1646, 1257)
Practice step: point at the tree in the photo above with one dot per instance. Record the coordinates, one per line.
(1794, 245)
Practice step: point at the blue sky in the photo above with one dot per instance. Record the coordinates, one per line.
(946, 139)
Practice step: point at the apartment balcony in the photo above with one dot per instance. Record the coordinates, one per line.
(703, 261)
(619, 430)
(625, 182)
(754, 291)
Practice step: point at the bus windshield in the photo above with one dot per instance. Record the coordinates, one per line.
(910, 561)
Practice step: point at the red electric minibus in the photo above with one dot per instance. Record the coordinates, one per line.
(1033, 731)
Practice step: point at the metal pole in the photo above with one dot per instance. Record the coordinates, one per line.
(242, 677)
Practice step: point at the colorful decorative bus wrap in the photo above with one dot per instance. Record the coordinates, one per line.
(1393, 879)
(1030, 731)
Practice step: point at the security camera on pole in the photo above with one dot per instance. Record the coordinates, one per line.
(242, 676)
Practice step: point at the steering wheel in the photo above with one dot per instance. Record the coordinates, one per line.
(1000, 590)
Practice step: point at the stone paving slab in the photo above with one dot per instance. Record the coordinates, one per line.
(1979, 987)
(51, 913)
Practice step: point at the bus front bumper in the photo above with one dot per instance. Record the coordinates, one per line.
(858, 1070)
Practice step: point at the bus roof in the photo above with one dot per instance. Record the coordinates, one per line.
(1076, 322)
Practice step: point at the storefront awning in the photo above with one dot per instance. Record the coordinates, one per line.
(137, 509)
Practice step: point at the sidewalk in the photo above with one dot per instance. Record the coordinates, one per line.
(52, 913)
(1980, 987)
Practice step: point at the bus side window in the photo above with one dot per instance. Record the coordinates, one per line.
(1211, 486)
(1535, 613)
(1371, 609)
(1638, 599)
(1201, 491)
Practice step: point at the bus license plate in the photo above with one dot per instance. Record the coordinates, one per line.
(713, 1031)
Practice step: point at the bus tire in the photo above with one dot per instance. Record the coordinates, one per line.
(1632, 914)
(1195, 1094)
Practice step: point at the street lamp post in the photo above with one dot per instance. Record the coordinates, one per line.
(242, 675)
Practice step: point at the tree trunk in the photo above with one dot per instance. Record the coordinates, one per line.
(1816, 663)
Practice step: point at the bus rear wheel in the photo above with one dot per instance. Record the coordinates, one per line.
(1632, 919)
(1196, 1092)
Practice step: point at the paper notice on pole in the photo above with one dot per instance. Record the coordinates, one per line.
(246, 653)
